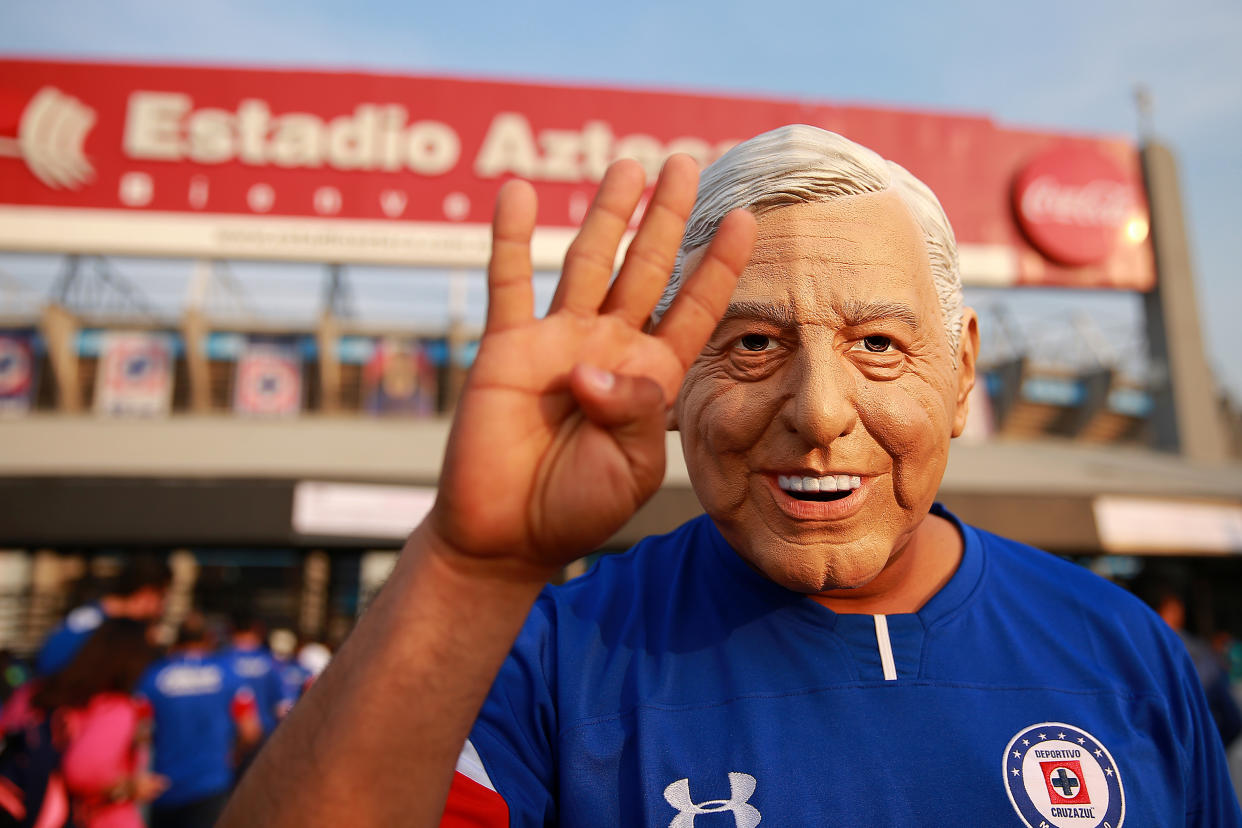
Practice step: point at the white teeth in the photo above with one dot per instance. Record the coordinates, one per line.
(827, 483)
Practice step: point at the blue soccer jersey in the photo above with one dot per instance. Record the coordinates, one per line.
(261, 672)
(676, 686)
(193, 698)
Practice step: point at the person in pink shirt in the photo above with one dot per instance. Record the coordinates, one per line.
(103, 730)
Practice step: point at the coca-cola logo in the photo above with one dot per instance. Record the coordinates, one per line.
(1097, 204)
(1076, 205)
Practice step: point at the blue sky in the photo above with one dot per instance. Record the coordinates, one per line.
(1053, 65)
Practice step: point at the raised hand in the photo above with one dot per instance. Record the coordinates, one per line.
(558, 436)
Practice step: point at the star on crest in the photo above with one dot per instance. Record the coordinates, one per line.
(1042, 736)
(1099, 752)
(1026, 742)
(1061, 735)
(1017, 755)
(1016, 772)
(1081, 740)
(1108, 771)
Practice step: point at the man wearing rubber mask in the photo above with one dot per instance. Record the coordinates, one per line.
(825, 646)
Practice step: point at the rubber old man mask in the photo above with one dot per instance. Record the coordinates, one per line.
(833, 371)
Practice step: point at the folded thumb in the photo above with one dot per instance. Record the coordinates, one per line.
(617, 401)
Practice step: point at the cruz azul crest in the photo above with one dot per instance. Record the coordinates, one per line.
(1060, 776)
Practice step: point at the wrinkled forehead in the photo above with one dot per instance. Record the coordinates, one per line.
(832, 254)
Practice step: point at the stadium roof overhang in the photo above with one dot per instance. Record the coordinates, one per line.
(342, 483)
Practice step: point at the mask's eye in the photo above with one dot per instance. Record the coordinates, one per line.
(877, 344)
(756, 342)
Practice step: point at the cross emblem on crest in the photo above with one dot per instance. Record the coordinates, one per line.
(1065, 782)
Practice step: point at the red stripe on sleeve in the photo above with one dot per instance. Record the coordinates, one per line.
(243, 704)
(471, 805)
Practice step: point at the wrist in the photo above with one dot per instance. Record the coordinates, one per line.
(432, 547)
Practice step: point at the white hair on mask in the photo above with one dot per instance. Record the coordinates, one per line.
(800, 164)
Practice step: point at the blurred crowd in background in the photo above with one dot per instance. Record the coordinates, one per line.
(111, 726)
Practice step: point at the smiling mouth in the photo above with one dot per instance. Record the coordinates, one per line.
(823, 489)
(817, 498)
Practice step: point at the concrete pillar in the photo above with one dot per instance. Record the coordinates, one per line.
(194, 336)
(327, 336)
(60, 331)
(1185, 415)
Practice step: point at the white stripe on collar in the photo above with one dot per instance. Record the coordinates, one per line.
(885, 647)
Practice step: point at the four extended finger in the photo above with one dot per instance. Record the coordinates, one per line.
(652, 253)
(589, 262)
(510, 294)
(705, 294)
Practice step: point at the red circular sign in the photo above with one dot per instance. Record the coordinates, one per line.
(1074, 204)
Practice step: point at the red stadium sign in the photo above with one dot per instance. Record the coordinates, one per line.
(334, 166)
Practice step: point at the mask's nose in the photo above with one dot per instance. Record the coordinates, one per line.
(821, 403)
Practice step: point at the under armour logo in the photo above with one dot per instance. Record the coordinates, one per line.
(741, 788)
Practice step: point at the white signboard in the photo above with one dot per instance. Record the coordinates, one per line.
(1139, 524)
(359, 510)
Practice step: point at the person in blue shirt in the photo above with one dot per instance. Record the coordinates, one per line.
(203, 714)
(137, 592)
(250, 659)
(825, 646)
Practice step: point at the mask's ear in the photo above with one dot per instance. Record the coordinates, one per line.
(967, 352)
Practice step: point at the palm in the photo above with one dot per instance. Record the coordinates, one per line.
(541, 464)
(532, 454)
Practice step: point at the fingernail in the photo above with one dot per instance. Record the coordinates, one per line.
(598, 378)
